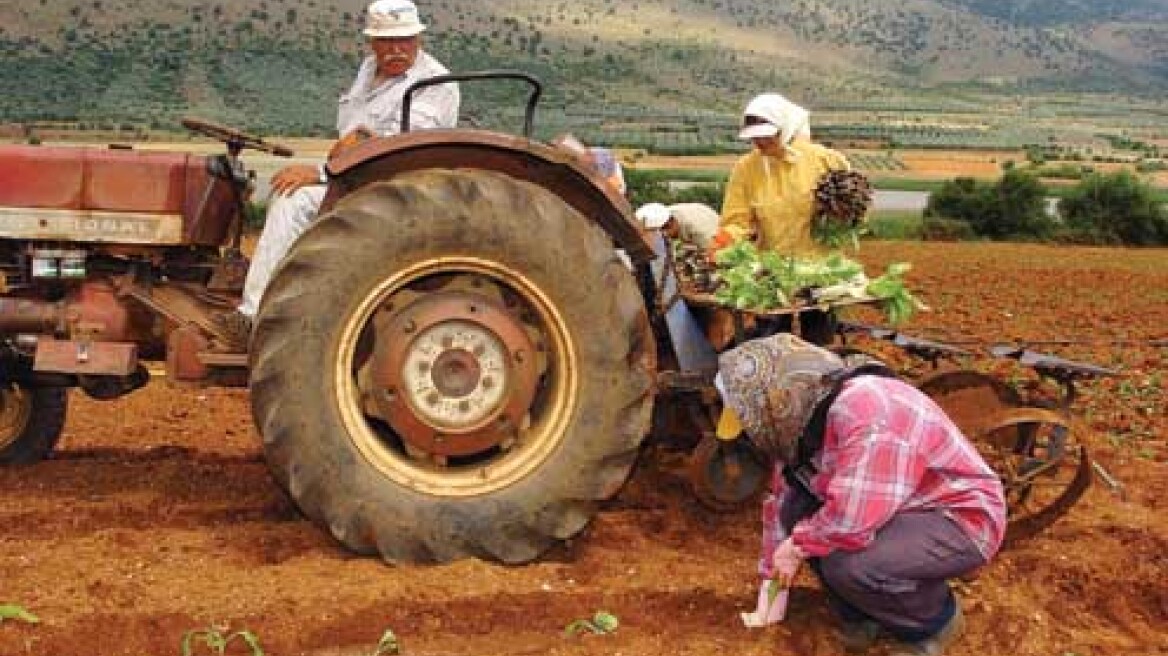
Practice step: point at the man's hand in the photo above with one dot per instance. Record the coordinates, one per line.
(290, 178)
(786, 561)
(350, 139)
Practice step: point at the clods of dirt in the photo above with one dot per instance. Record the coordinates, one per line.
(158, 516)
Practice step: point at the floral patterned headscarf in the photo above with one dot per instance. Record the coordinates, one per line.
(773, 384)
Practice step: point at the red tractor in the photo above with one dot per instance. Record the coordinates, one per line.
(452, 361)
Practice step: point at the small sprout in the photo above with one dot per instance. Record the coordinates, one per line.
(773, 590)
(18, 613)
(217, 640)
(601, 623)
(605, 621)
(388, 645)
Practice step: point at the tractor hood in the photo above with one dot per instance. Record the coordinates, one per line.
(110, 195)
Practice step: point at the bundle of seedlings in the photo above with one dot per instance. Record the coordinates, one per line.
(842, 199)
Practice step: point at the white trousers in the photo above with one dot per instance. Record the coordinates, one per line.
(288, 217)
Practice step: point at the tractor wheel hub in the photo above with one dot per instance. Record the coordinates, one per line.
(454, 373)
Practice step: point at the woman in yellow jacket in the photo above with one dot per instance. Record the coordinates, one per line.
(770, 196)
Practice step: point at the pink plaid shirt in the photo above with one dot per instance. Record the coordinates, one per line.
(889, 449)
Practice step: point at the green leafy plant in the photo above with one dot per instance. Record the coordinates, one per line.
(18, 613)
(217, 639)
(601, 623)
(899, 303)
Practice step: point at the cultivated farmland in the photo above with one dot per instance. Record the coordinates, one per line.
(158, 516)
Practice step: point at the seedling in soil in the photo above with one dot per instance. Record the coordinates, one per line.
(18, 613)
(217, 639)
(601, 623)
(388, 645)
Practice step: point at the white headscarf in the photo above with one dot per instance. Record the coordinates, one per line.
(790, 119)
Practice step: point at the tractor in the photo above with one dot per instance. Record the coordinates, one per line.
(453, 361)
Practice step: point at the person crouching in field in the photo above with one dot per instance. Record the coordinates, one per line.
(879, 491)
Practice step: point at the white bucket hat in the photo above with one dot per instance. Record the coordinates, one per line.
(653, 215)
(782, 117)
(393, 18)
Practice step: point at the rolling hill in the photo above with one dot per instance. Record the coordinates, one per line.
(278, 65)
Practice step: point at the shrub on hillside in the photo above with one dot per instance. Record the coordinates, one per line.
(1116, 208)
(1012, 208)
(960, 199)
(1021, 208)
(936, 228)
(1062, 171)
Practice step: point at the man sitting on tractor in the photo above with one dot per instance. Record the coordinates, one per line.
(372, 107)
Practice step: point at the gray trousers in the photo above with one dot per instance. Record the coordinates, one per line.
(900, 581)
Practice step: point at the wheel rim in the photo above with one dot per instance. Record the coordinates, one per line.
(15, 411)
(456, 377)
(725, 475)
(1044, 471)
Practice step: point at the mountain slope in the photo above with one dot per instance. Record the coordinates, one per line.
(279, 64)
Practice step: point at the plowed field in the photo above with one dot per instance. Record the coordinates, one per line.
(157, 516)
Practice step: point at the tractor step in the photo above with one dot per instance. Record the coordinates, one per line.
(85, 357)
(223, 360)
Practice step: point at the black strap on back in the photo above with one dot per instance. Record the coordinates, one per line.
(798, 474)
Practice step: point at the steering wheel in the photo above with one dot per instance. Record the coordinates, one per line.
(235, 139)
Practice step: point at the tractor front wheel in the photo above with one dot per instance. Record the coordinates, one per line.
(31, 420)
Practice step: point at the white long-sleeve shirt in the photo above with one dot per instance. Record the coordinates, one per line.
(379, 108)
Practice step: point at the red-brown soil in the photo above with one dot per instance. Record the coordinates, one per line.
(158, 516)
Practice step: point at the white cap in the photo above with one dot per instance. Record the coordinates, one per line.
(783, 118)
(393, 18)
(758, 131)
(653, 215)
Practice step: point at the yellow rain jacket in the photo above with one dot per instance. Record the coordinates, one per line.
(774, 197)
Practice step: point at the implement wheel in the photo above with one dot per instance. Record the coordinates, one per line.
(452, 364)
(1044, 471)
(969, 398)
(726, 475)
(31, 420)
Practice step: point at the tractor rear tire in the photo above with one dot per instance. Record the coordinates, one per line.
(349, 470)
(31, 420)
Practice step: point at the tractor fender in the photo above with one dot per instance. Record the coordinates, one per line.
(554, 169)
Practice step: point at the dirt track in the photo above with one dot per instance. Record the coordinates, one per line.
(158, 516)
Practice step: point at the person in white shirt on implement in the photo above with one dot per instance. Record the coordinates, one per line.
(372, 107)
